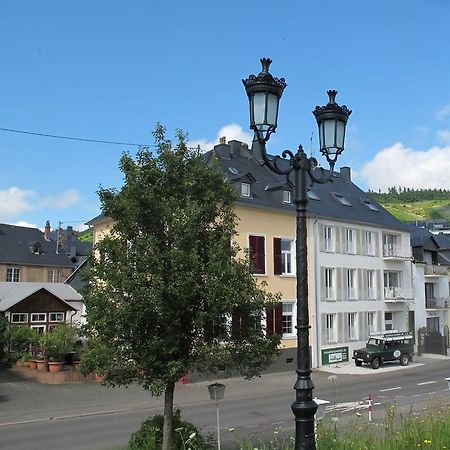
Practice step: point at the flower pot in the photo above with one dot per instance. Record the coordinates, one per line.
(40, 365)
(55, 366)
(32, 364)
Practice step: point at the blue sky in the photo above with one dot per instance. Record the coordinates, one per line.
(109, 70)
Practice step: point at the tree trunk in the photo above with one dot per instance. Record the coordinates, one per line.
(168, 417)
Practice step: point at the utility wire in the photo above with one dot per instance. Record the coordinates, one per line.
(98, 141)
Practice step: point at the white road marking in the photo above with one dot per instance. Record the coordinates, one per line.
(426, 382)
(391, 389)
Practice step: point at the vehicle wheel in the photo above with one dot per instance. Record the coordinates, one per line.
(375, 363)
(358, 363)
(404, 360)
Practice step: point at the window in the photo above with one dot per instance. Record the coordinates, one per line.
(389, 245)
(329, 283)
(391, 284)
(370, 280)
(351, 323)
(312, 195)
(341, 199)
(19, 317)
(257, 254)
(56, 317)
(287, 197)
(371, 322)
(369, 204)
(331, 328)
(328, 238)
(351, 290)
(350, 240)
(245, 190)
(40, 328)
(283, 256)
(388, 321)
(54, 276)
(433, 324)
(370, 243)
(38, 317)
(13, 274)
(287, 321)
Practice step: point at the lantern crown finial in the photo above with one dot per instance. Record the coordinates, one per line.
(265, 63)
(332, 95)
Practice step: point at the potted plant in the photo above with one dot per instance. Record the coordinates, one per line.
(23, 340)
(56, 344)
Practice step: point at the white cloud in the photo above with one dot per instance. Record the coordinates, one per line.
(23, 223)
(443, 136)
(443, 113)
(233, 131)
(15, 201)
(62, 200)
(406, 167)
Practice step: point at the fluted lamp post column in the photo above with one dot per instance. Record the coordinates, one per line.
(264, 92)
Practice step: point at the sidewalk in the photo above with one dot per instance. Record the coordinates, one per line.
(350, 368)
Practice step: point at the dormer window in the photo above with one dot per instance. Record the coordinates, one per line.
(369, 204)
(245, 190)
(341, 199)
(312, 195)
(287, 197)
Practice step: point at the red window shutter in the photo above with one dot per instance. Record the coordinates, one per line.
(274, 320)
(256, 244)
(277, 256)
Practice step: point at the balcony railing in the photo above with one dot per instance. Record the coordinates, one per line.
(398, 294)
(433, 270)
(396, 251)
(437, 303)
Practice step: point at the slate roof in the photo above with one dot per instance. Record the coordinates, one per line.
(27, 246)
(13, 293)
(238, 160)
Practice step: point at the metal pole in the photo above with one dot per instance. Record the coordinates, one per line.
(218, 426)
(304, 407)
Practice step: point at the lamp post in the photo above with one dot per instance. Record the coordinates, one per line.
(264, 93)
(216, 393)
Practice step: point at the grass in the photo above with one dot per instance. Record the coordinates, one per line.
(427, 209)
(396, 432)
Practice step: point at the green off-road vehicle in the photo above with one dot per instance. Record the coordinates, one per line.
(386, 346)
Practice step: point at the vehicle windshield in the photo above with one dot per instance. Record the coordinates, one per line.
(375, 342)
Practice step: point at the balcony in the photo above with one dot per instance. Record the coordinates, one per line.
(437, 303)
(396, 252)
(398, 294)
(433, 270)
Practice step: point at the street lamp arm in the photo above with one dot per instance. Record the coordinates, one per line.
(273, 164)
(323, 179)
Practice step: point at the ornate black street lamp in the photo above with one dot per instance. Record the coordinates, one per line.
(264, 93)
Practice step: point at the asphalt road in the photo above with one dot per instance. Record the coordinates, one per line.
(87, 416)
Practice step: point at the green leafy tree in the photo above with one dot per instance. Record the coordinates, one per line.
(169, 293)
(4, 335)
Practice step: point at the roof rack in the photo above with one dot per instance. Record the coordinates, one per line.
(390, 335)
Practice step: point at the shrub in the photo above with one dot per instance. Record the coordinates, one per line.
(58, 342)
(186, 436)
(23, 338)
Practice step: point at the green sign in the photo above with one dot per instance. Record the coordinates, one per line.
(334, 355)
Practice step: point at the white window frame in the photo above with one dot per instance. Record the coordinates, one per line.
(390, 244)
(370, 284)
(370, 243)
(287, 196)
(351, 325)
(12, 273)
(328, 238)
(286, 313)
(371, 322)
(40, 328)
(351, 284)
(388, 323)
(19, 314)
(331, 325)
(246, 190)
(329, 283)
(53, 275)
(288, 255)
(56, 320)
(350, 240)
(38, 320)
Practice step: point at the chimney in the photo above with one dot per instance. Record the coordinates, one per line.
(69, 232)
(47, 231)
(223, 140)
(346, 174)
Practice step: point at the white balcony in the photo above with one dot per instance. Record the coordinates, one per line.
(398, 294)
(396, 252)
(437, 303)
(434, 270)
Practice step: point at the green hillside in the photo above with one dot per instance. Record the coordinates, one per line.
(409, 204)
